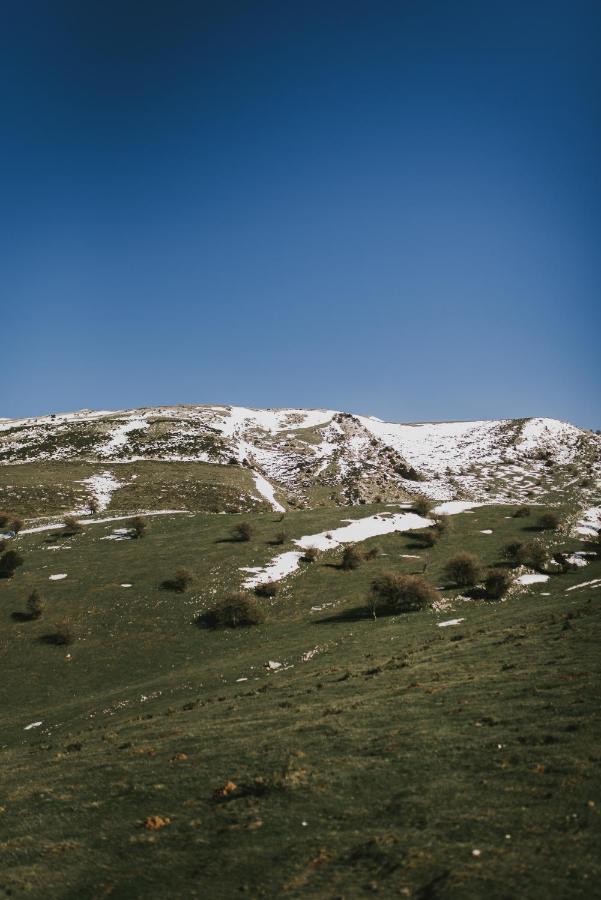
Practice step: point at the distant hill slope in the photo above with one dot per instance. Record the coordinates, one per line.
(298, 457)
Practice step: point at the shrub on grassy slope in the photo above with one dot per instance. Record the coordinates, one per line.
(352, 557)
(35, 605)
(243, 532)
(72, 526)
(64, 632)
(549, 521)
(138, 526)
(464, 569)
(237, 610)
(310, 554)
(9, 563)
(269, 589)
(422, 506)
(497, 582)
(180, 582)
(395, 593)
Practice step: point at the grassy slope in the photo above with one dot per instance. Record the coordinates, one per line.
(402, 746)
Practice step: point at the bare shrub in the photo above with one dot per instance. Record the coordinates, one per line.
(35, 605)
(422, 506)
(533, 554)
(497, 582)
(237, 610)
(138, 526)
(281, 537)
(513, 551)
(269, 589)
(64, 632)
(549, 521)
(180, 582)
(352, 557)
(311, 554)
(243, 532)
(72, 526)
(522, 512)
(464, 570)
(427, 537)
(16, 524)
(402, 593)
(9, 563)
(372, 553)
(4, 519)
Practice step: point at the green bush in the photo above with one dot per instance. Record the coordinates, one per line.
(237, 610)
(522, 512)
(281, 537)
(396, 593)
(497, 582)
(442, 524)
(464, 569)
(9, 563)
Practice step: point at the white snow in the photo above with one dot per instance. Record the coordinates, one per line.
(452, 507)
(532, 578)
(579, 558)
(590, 522)
(596, 582)
(126, 585)
(57, 577)
(357, 530)
(268, 491)
(102, 486)
(159, 512)
(119, 434)
(450, 622)
(33, 725)
(486, 531)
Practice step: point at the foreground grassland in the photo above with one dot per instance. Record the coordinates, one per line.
(388, 757)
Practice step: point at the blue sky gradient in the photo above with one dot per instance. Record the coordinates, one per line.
(389, 208)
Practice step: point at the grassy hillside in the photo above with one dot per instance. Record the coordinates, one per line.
(389, 757)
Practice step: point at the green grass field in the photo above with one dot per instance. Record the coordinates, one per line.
(388, 757)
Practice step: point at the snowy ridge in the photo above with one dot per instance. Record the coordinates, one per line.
(320, 455)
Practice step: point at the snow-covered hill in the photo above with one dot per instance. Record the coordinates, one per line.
(313, 456)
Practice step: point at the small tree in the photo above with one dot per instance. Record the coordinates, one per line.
(497, 582)
(352, 557)
(72, 526)
(9, 563)
(237, 610)
(17, 524)
(93, 505)
(403, 593)
(549, 521)
(35, 605)
(464, 570)
(243, 532)
(422, 506)
(138, 526)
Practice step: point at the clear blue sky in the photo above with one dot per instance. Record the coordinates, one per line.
(391, 208)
